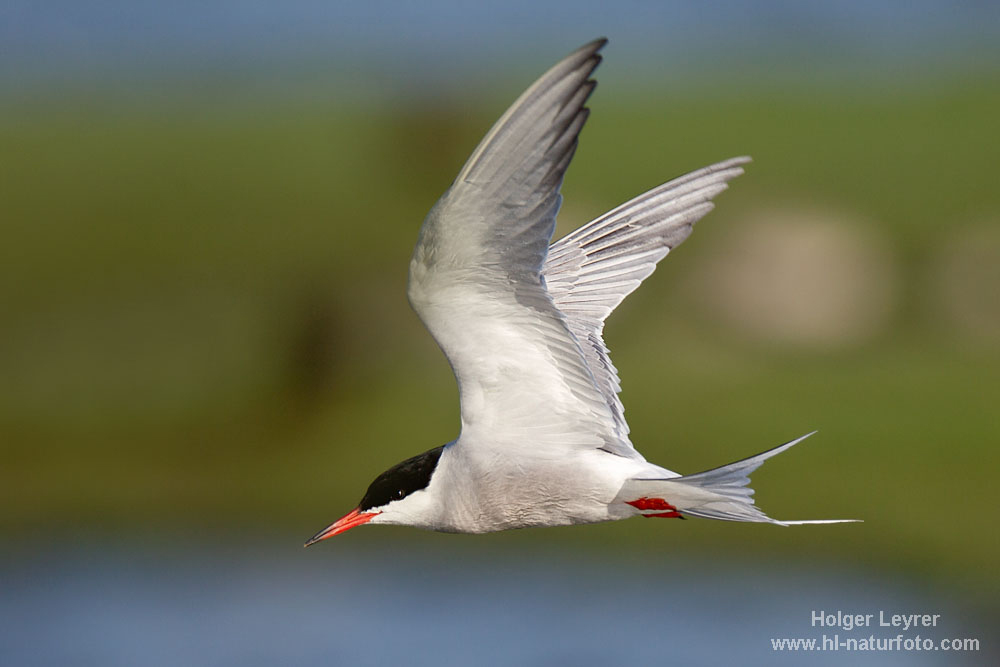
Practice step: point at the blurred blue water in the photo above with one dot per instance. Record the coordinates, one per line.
(66, 43)
(346, 605)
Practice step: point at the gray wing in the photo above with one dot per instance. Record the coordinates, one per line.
(475, 278)
(590, 271)
(500, 212)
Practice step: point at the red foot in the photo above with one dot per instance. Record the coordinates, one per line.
(656, 504)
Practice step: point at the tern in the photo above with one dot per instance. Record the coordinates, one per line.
(543, 439)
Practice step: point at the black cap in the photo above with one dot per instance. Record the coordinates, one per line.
(402, 479)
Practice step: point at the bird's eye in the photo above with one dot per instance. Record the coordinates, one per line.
(399, 494)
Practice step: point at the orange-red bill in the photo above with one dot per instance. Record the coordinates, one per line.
(346, 522)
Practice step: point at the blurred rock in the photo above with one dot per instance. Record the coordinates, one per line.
(966, 283)
(805, 277)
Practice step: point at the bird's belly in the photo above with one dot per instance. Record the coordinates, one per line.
(506, 493)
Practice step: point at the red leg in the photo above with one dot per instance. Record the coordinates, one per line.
(656, 504)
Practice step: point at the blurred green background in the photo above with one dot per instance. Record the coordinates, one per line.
(203, 270)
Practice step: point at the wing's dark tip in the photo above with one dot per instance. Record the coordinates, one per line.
(590, 51)
(595, 46)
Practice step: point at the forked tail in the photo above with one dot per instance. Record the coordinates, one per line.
(721, 493)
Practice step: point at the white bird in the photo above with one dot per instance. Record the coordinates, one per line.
(544, 440)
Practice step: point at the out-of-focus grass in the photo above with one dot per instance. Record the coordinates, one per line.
(204, 320)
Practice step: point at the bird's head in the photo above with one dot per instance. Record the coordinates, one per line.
(397, 496)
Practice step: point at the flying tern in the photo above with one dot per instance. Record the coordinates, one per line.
(543, 438)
